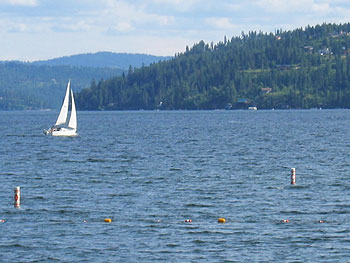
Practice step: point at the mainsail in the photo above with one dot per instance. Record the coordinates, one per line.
(62, 117)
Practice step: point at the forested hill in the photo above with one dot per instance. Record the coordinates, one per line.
(303, 68)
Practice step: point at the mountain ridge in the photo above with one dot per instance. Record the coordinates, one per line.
(103, 59)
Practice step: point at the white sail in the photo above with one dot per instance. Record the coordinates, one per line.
(62, 117)
(73, 117)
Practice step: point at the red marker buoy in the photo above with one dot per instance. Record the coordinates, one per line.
(292, 176)
(17, 197)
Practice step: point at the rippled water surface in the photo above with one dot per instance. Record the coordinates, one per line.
(150, 171)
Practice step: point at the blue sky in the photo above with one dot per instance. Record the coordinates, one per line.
(42, 29)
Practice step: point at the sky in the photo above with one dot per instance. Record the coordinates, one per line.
(43, 29)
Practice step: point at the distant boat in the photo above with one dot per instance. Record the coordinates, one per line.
(60, 128)
(252, 108)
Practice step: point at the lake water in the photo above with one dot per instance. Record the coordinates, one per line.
(150, 171)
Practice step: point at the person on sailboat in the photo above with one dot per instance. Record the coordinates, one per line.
(54, 128)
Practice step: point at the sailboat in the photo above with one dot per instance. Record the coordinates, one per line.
(60, 128)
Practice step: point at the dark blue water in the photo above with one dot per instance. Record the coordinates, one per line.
(150, 171)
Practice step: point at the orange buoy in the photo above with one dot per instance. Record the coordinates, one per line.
(221, 220)
(108, 220)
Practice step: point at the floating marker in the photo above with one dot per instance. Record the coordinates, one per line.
(188, 221)
(221, 220)
(17, 197)
(292, 176)
(285, 221)
(2, 220)
(108, 220)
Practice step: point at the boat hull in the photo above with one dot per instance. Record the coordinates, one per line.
(61, 132)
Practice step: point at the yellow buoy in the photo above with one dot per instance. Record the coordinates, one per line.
(108, 220)
(221, 220)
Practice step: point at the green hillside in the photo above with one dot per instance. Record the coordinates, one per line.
(26, 86)
(303, 68)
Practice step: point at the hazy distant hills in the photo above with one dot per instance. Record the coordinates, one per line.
(103, 59)
(41, 84)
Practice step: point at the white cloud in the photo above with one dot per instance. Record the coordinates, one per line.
(234, 7)
(70, 25)
(300, 6)
(322, 7)
(180, 5)
(122, 27)
(17, 25)
(121, 16)
(220, 22)
(20, 2)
